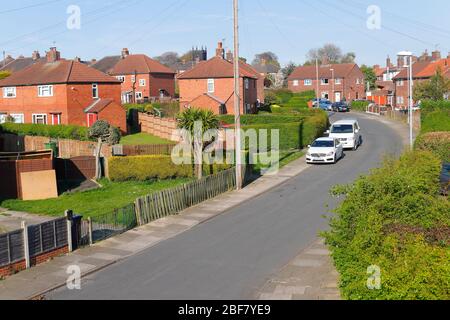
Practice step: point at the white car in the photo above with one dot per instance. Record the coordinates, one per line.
(325, 150)
(348, 132)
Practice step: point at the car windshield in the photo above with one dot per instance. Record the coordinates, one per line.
(342, 128)
(323, 144)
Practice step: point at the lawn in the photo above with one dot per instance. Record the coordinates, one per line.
(143, 138)
(286, 157)
(92, 203)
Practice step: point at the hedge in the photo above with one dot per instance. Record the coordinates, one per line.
(57, 131)
(436, 142)
(435, 116)
(393, 218)
(360, 105)
(142, 168)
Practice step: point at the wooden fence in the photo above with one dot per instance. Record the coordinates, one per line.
(143, 150)
(78, 168)
(173, 201)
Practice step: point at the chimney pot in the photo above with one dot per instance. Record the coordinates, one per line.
(229, 56)
(36, 55)
(220, 52)
(125, 53)
(53, 55)
(436, 55)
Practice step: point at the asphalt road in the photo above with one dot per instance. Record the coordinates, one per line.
(231, 256)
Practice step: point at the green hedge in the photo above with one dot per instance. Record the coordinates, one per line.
(360, 105)
(436, 142)
(435, 116)
(251, 119)
(395, 219)
(142, 168)
(58, 131)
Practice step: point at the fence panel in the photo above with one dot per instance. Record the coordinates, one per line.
(11, 247)
(47, 236)
(143, 150)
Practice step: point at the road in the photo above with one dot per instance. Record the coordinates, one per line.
(231, 256)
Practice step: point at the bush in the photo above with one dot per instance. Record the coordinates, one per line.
(393, 218)
(56, 132)
(360, 105)
(250, 119)
(435, 116)
(142, 168)
(436, 142)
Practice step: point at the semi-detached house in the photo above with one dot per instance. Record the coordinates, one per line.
(58, 91)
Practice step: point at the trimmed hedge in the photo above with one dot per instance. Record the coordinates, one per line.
(435, 116)
(360, 105)
(395, 219)
(142, 168)
(57, 131)
(436, 142)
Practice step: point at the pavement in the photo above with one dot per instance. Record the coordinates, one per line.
(12, 220)
(230, 247)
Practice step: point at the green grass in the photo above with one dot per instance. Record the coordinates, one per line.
(92, 203)
(143, 138)
(286, 157)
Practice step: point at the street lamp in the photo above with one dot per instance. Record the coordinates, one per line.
(408, 54)
(333, 94)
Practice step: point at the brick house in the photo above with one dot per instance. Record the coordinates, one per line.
(142, 78)
(14, 65)
(336, 81)
(423, 70)
(210, 85)
(58, 91)
(384, 94)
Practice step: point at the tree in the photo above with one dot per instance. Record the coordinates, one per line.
(4, 74)
(104, 133)
(287, 71)
(169, 58)
(267, 58)
(189, 120)
(369, 76)
(434, 89)
(330, 52)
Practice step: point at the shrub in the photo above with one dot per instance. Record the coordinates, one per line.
(56, 132)
(436, 142)
(360, 105)
(250, 119)
(435, 116)
(142, 168)
(385, 220)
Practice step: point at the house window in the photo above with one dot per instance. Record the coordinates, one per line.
(142, 82)
(400, 100)
(307, 82)
(40, 118)
(95, 91)
(338, 80)
(357, 81)
(133, 78)
(325, 95)
(18, 117)
(210, 85)
(246, 83)
(324, 81)
(3, 117)
(45, 91)
(121, 78)
(56, 118)
(400, 83)
(9, 92)
(138, 95)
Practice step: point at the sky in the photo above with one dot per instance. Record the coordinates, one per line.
(289, 28)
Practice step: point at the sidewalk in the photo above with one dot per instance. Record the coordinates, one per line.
(35, 282)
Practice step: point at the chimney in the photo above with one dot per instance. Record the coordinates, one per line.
(229, 56)
(400, 62)
(220, 52)
(125, 53)
(436, 55)
(93, 61)
(77, 59)
(53, 55)
(36, 55)
(388, 62)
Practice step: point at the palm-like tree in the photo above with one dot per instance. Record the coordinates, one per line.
(209, 121)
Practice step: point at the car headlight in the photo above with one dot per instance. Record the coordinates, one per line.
(330, 154)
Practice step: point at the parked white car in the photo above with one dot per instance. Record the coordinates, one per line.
(348, 132)
(325, 150)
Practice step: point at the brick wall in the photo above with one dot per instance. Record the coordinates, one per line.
(160, 127)
(15, 267)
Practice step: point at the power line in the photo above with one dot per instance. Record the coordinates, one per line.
(29, 6)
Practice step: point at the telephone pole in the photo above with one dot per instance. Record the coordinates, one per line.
(237, 103)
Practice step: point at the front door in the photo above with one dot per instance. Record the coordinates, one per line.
(91, 119)
(337, 97)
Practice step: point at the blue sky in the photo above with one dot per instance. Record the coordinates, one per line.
(287, 27)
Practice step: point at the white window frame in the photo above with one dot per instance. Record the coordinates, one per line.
(49, 90)
(400, 83)
(121, 78)
(338, 81)
(211, 86)
(138, 95)
(295, 83)
(6, 93)
(324, 94)
(323, 83)
(400, 100)
(18, 115)
(246, 83)
(142, 83)
(34, 117)
(307, 82)
(358, 81)
(3, 116)
(95, 89)
(133, 79)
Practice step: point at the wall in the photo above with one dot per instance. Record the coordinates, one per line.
(160, 127)
(116, 116)
(162, 81)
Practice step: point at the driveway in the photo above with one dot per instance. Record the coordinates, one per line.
(232, 255)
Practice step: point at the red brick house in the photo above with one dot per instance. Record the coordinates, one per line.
(58, 91)
(336, 81)
(210, 85)
(142, 78)
(423, 70)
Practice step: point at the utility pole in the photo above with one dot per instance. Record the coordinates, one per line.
(333, 96)
(317, 83)
(237, 104)
(411, 104)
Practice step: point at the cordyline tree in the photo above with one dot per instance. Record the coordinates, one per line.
(434, 89)
(104, 133)
(189, 120)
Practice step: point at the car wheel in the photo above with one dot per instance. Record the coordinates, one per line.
(355, 147)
